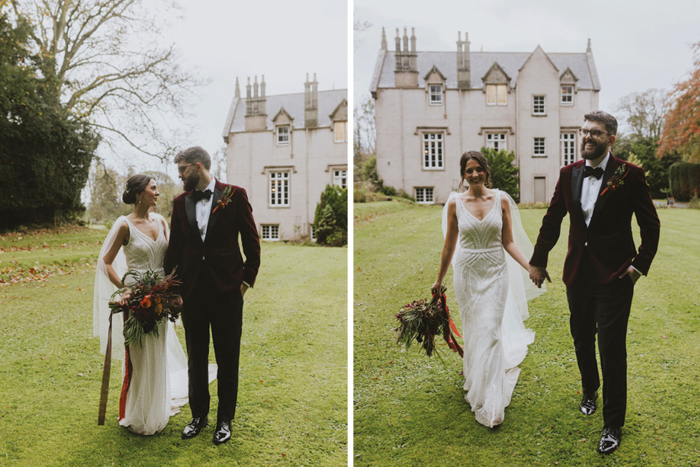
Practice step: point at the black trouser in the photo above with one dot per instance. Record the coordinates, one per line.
(224, 314)
(605, 309)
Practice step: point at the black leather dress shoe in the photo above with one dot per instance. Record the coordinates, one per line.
(610, 440)
(222, 432)
(194, 427)
(588, 403)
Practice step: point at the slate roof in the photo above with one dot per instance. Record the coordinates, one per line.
(511, 62)
(292, 103)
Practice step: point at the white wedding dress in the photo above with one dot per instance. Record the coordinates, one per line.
(158, 386)
(492, 295)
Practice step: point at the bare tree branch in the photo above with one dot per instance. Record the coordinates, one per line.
(111, 68)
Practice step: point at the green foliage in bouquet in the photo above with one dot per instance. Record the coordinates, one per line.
(422, 320)
(152, 299)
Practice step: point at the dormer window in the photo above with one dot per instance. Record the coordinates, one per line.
(567, 95)
(496, 94)
(340, 132)
(435, 94)
(283, 135)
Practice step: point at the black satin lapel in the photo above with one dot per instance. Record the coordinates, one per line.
(602, 199)
(576, 184)
(191, 215)
(213, 216)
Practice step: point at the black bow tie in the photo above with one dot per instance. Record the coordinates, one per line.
(593, 172)
(198, 195)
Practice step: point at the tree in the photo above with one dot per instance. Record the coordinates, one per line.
(45, 152)
(641, 151)
(105, 62)
(644, 112)
(105, 197)
(504, 175)
(364, 142)
(681, 133)
(331, 217)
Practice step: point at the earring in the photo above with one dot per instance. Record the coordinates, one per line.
(138, 200)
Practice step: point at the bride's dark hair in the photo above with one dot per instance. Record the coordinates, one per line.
(477, 156)
(134, 187)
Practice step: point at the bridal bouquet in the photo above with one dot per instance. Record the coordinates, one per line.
(152, 300)
(422, 320)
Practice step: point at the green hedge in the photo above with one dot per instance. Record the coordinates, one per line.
(684, 180)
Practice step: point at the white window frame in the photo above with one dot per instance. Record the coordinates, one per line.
(279, 189)
(539, 147)
(435, 94)
(424, 194)
(283, 137)
(496, 94)
(270, 232)
(340, 177)
(433, 151)
(568, 147)
(497, 141)
(340, 131)
(567, 98)
(539, 105)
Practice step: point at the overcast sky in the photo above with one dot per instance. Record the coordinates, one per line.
(283, 40)
(637, 45)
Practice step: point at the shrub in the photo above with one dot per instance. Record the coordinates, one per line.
(331, 218)
(504, 175)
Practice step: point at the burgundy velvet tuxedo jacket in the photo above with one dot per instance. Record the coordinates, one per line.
(219, 253)
(609, 234)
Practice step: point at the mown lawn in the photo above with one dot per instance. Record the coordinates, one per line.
(292, 405)
(409, 410)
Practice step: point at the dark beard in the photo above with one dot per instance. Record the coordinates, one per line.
(595, 153)
(190, 183)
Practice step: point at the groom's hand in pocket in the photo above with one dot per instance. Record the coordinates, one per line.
(633, 273)
(244, 287)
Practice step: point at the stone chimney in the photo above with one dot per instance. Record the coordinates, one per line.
(238, 90)
(310, 103)
(255, 117)
(406, 69)
(463, 62)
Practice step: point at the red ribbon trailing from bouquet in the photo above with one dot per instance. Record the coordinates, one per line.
(104, 391)
(447, 335)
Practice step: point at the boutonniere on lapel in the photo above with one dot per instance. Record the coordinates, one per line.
(225, 198)
(618, 178)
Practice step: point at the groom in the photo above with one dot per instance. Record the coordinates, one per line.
(206, 224)
(600, 194)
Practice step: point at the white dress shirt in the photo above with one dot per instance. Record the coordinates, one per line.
(202, 209)
(590, 190)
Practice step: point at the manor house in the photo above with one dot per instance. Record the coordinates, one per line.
(431, 107)
(284, 150)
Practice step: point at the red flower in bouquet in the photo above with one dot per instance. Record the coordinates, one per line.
(146, 302)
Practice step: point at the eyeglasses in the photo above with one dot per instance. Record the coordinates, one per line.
(182, 168)
(593, 133)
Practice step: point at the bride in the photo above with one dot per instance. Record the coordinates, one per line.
(155, 384)
(492, 292)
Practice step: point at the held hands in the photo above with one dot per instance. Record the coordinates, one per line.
(538, 275)
(633, 273)
(436, 287)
